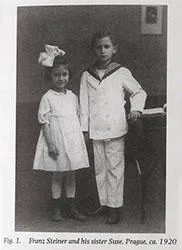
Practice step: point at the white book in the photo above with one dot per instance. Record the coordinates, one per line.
(153, 111)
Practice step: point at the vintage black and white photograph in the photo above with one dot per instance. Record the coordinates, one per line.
(91, 113)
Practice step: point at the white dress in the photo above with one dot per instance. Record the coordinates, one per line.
(60, 111)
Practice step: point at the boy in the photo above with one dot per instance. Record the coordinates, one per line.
(103, 116)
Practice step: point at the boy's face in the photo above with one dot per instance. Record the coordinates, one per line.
(104, 49)
(60, 77)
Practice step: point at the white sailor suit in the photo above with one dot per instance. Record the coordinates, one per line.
(103, 115)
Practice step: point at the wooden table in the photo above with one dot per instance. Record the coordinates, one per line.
(146, 143)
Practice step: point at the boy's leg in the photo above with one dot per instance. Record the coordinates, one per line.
(115, 163)
(56, 195)
(100, 170)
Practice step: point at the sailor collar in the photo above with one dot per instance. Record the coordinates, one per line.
(112, 67)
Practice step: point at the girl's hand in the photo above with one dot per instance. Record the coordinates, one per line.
(134, 115)
(53, 151)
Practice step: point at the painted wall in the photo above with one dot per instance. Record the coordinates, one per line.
(71, 28)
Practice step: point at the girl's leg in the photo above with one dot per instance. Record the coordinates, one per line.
(70, 189)
(56, 188)
(70, 184)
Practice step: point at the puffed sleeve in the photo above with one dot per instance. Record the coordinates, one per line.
(76, 103)
(84, 102)
(44, 110)
(137, 94)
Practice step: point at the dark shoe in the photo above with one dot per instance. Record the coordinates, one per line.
(114, 216)
(73, 211)
(102, 210)
(56, 210)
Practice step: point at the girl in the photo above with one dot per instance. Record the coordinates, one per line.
(61, 148)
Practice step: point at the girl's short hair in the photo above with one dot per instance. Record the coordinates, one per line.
(101, 34)
(58, 60)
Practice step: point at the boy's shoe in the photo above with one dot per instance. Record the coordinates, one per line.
(73, 211)
(102, 210)
(114, 216)
(56, 210)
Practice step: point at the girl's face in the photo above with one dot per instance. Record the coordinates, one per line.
(104, 49)
(60, 77)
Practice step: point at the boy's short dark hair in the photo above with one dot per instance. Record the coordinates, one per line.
(101, 34)
(58, 60)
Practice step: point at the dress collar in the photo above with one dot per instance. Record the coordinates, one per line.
(59, 93)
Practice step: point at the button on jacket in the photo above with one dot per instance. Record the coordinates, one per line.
(102, 101)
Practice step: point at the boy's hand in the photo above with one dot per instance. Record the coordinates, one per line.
(53, 151)
(134, 115)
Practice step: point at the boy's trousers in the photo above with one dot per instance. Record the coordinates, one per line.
(109, 170)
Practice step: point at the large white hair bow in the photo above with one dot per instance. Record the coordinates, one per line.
(47, 58)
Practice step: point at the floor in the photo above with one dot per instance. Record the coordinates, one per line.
(33, 205)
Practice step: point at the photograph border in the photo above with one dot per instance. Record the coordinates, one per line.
(174, 142)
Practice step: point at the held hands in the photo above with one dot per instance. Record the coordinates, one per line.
(134, 115)
(53, 151)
